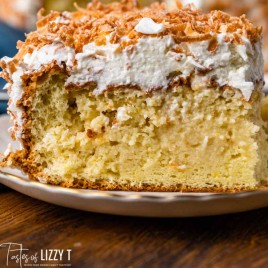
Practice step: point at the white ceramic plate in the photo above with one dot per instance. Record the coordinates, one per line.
(130, 203)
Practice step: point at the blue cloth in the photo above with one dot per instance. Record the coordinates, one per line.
(3, 107)
(8, 40)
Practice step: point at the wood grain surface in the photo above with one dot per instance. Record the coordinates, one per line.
(96, 240)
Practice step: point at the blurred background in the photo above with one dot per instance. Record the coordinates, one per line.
(18, 17)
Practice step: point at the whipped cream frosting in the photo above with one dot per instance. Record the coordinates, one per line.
(56, 52)
(148, 26)
(148, 64)
(137, 65)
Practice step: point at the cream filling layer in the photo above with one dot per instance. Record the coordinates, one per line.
(148, 64)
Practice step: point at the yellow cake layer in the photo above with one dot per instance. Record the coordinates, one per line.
(181, 139)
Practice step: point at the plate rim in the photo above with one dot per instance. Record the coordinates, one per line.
(137, 204)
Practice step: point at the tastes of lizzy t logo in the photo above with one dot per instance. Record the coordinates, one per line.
(17, 254)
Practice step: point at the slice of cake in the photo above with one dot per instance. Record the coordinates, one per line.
(115, 97)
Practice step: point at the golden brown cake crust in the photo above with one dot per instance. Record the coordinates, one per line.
(105, 186)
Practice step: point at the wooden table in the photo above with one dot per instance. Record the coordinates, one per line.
(238, 240)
